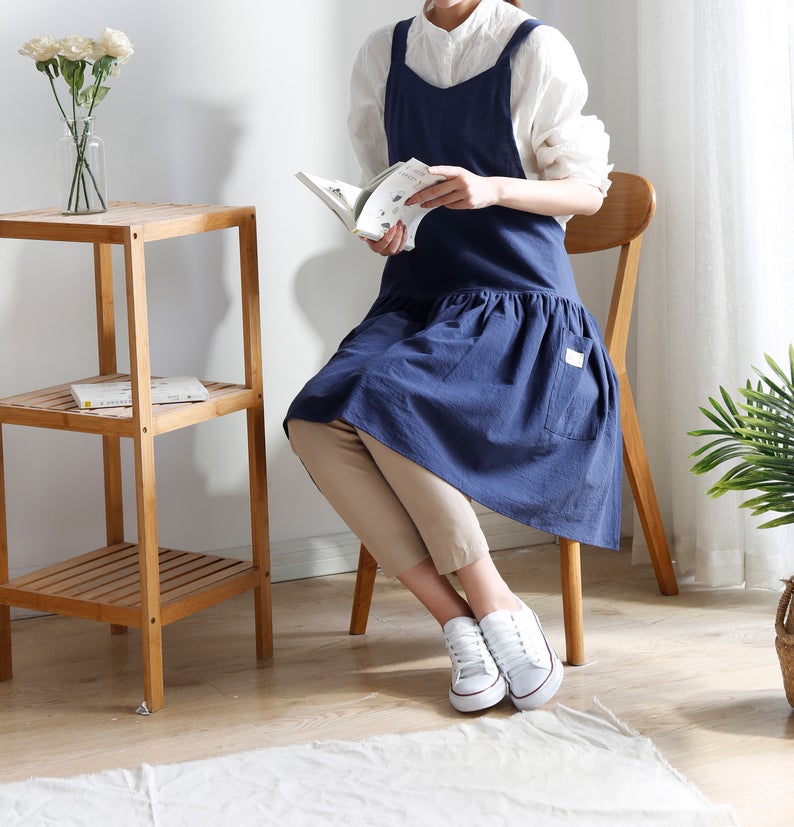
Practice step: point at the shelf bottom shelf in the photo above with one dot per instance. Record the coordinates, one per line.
(104, 584)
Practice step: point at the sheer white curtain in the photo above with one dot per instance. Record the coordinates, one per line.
(717, 275)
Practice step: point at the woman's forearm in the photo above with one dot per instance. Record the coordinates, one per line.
(567, 196)
(463, 190)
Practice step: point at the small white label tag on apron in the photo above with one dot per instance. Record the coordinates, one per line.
(573, 357)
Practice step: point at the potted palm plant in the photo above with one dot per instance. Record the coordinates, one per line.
(756, 434)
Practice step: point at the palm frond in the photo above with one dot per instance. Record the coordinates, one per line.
(756, 432)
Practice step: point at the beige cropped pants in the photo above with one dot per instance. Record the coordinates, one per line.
(399, 510)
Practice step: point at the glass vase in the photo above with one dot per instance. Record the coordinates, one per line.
(80, 166)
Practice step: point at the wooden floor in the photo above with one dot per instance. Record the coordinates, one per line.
(696, 673)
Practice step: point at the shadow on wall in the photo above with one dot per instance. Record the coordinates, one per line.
(335, 289)
(183, 151)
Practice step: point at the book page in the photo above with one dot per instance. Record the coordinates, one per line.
(369, 188)
(342, 191)
(386, 205)
(338, 195)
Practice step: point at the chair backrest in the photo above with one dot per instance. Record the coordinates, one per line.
(626, 212)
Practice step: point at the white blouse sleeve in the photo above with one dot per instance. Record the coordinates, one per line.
(367, 95)
(549, 92)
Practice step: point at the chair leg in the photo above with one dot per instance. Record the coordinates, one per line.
(639, 474)
(362, 596)
(571, 576)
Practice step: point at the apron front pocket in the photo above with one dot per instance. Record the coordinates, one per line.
(573, 402)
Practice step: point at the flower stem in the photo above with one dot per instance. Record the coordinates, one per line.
(82, 165)
(57, 99)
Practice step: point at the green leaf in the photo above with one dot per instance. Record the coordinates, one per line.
(769, 501)
(785, 520)
(91, 95)
(787, 381)
(759, 400)
(720, 410)
(771, 384)
(765, 424)
(726, 426)
(778, 468)
(728, 401)
(791, 361)
(103, 66)
(49, 67)
(715, 458)
(713, 444)
(73, 72)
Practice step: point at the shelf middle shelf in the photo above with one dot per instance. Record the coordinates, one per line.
(55, 408)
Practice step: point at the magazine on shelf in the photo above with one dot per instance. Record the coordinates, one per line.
(119, 394)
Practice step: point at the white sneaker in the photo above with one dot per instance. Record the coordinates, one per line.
(526, 659)
(476, 681)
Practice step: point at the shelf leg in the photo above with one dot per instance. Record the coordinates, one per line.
(148, 557)
(145, 490)
(252, 349)
(5, 611)
(260, 534)
(111, 448)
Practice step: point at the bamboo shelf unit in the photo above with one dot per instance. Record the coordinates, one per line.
(139, 584)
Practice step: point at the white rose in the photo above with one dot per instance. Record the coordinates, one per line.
(41, 48)
(98, 51)
(115, 44)
(77, 47)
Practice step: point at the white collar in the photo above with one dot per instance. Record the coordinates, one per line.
(471, 24)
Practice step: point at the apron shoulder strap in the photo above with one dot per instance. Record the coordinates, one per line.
(399, 41)
(519, 36)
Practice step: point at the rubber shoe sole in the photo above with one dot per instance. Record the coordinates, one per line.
(478, 701)
(545, 692)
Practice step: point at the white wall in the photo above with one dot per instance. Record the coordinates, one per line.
(221, 103)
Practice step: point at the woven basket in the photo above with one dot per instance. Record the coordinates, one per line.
(784, 642)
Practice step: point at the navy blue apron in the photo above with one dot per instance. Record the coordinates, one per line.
(477, 359)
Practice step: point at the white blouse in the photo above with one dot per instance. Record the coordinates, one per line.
(554, 139)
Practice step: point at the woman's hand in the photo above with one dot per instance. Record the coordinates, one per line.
(392, 242)
(462, 190)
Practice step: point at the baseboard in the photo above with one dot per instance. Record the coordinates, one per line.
(502, 532)
(337, 553)
(304, 557)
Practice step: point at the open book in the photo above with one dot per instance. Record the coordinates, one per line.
(371, 210)
(119, 394)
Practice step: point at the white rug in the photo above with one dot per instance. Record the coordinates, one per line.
(544, 769)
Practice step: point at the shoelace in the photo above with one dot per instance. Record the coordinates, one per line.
(517, 652)
(469, 653)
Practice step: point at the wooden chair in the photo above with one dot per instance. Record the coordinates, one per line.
(620, 223)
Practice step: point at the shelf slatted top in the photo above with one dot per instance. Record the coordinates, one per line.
(55, 408)
(155, 221)
(105, 584)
